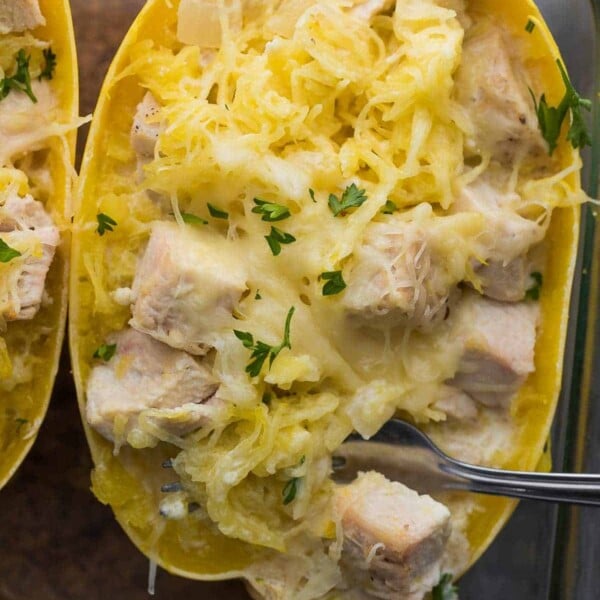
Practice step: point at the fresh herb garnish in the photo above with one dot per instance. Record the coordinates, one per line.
(7, 253)
(190, 219)
(551, 118)
(278, 237)
(353, 197)
(257, 296)
(21, 80)
(290, 490)
(533, 293)
(444, 590)
(105, 352)
(389, 208)
(335, 283)
(260, 350)
(266, 398)
(216, 212)
(105, 223)
(530, 26)
(270, 211)
(49, 66)
(312, 194)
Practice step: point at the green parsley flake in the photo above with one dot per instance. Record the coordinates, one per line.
(260, 350)
(7, 253)
(530, 26)
(389, 208)
(311, 193)
(353, 197)
(257, 296)
(105, 223)
(335, 283)
(278, 237)
(190, 219)
(533, 293)
(551, 118)
(21, 80)
(49, 66)
(290, 490)
(444, 590)
(270, 211)
(105, 352)
(216, 212)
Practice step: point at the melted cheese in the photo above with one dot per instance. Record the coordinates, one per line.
(300, 99)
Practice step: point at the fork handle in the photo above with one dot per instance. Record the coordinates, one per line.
(568, 488)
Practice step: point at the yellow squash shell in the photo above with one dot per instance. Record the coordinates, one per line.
(25, 406)
(182, 547)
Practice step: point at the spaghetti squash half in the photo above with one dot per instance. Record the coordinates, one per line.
(38, 107)
(296, 219)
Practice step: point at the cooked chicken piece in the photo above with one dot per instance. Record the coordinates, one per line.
(367, 9)
(27, 227)
(20, 15)
(405, 271)
(505, 282)
(456, 404)
(491, 85)
(146, 129)
(498, 348)
(23, 123)
(186, 287)
(142, 375)
(393, 538)
(506, 243)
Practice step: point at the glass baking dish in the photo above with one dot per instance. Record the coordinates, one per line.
(546, 552)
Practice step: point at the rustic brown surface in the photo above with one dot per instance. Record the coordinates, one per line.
(56, 541)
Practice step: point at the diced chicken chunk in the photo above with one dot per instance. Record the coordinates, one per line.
(393, 538)
(146, 129)
(26, 227)
(186, 287)
(498, 348)
(506, 243)
(20, 15)
(144, 375)
(23, 123)
(491, 85)
(367, 9)
(456, 404)
(406, 270)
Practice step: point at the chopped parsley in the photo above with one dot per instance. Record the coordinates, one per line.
(551, 118)
(7, 253)
(270, 211)
(444, 590)
(105, 352)
(353, 197)
(311, 192)
(290, 490)
(257, 296)
(49, 65)
(216, 212)
(105, 223)
(190, 219)
(389, 208)
(21, 80)
(260, 350)
(533, 293)
(278, 237)
(530, 26)
(335, 283)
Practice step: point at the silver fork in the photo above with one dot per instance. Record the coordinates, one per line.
(403, 453)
